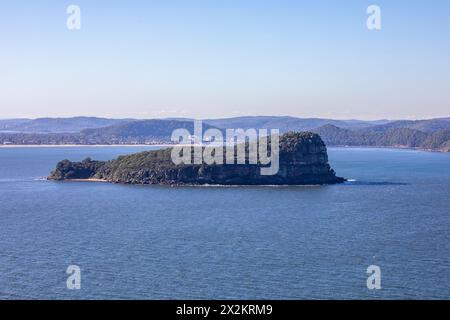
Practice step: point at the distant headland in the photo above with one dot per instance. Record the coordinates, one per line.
(429, 134)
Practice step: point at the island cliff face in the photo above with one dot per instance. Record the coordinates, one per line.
(303, 160)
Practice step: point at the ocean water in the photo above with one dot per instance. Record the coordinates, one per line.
(153, 242)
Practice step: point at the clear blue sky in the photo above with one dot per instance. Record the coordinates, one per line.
(215, 58)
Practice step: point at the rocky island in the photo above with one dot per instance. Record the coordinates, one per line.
(303, 160)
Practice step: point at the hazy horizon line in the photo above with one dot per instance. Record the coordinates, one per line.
(222, 117)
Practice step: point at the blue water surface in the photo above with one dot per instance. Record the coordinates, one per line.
(154, 242)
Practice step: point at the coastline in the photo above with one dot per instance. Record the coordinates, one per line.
(195, 185)
(162, 145)
(82, 180)
(388, 147)
(82, 145)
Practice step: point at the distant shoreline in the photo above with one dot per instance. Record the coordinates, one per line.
(172, 145)
(81, 145)
(389, 147)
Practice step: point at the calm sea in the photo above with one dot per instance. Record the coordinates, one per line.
(152, 242)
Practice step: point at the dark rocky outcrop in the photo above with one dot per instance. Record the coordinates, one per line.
(303, 160)
(67, 170)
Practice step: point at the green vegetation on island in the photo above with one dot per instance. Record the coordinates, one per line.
(303, 160)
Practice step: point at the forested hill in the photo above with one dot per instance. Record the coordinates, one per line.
(432, 134)
(141, 130)
(393, 137)
(57, 125)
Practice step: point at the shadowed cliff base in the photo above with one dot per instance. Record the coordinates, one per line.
(303, 160)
